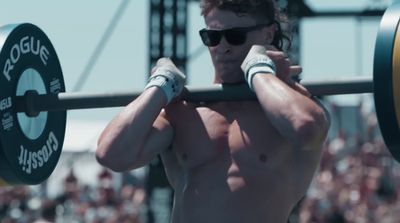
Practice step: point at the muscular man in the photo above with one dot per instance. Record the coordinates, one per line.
(243, 161)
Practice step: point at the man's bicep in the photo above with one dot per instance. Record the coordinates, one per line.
(158, 140)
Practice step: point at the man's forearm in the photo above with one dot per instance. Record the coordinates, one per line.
(124, 136)
(294, 115)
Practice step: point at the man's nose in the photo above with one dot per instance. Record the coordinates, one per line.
(224, 46)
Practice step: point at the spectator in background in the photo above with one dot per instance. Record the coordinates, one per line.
(48, 211)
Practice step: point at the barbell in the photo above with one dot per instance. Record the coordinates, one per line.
(33, 101)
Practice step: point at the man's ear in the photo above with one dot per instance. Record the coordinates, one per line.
(269, 33)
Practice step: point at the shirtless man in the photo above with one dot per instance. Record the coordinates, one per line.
(244, 161)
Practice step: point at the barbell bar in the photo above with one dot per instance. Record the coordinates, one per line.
(33, 101)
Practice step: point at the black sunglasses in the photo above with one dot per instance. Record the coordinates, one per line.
(234, 36)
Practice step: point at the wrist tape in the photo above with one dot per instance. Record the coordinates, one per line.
(165, 83)
(259, 65)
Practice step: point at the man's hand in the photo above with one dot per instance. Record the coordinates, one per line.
(168, 77)
(257, 61)
(285, 71)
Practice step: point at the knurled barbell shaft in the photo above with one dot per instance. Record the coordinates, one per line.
(33, 103)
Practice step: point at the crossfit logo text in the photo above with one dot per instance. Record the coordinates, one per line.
(30, 161)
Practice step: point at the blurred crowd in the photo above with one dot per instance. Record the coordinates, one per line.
(359, 187)
(357, 182)
(78, 203)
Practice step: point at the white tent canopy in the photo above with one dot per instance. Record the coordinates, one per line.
(82, 135)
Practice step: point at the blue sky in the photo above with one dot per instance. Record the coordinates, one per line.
(329, 46)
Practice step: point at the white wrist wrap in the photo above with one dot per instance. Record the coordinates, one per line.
(167, 77)
(264, 68)
(257, 61)
(165, 83)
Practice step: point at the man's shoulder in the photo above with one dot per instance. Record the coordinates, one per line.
(320, 103)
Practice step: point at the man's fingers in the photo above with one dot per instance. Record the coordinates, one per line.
(277, 55)
(295, 70)
(274, 53)
(301, 89)
(163, 61)
(281, 59)
(298, 87)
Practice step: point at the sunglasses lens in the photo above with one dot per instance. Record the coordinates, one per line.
(235, 37)
(210, 37)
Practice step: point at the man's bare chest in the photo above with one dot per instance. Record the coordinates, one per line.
(206, 135)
